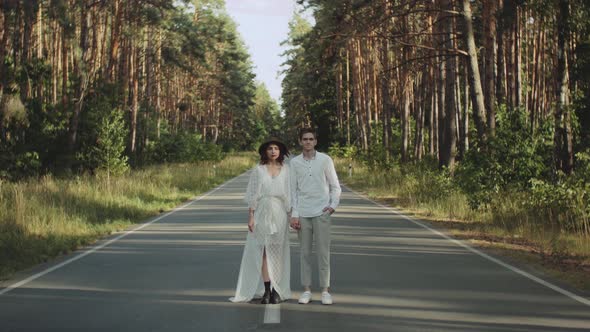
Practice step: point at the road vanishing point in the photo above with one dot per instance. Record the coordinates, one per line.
(390, 272)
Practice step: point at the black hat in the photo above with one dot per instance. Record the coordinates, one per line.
(281, 145)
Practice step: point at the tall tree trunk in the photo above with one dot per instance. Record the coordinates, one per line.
(148, 70)
(448, 150)
(510, 24)
(474, 77)
(28, 17)
(459, 123)
(348, 96)
(405, 120)
(489, 25)
(115, 39)
(55, 51)
(65, 69)
(501, 65)
(4, 37)
(563, 139)
(39, 55)
(133, 75)
(466, 109)
(432, 115)
(441, 109)
(406, 95)
(386, 112)
(366, 92)
(80, 71)
(535, 81)
(432, 88)
(339, 98)
(517, 60)
(158, 75)
(419, 103)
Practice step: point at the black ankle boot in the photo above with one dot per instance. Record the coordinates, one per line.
(274, 297)
(265, 298)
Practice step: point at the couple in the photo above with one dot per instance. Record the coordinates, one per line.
(308, 191)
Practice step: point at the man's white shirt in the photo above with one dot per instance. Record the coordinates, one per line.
(315, 185)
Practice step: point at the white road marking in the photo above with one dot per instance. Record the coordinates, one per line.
(93, 249)
(272, 314)
(484, 255)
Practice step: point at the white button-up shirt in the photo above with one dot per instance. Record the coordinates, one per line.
(314, 184)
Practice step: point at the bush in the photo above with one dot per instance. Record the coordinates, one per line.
(566, 203)
(184, 147)
(102, 130)
(19, 165)
(346, 151)
(430, 183)
(509, 161)
(109, 152)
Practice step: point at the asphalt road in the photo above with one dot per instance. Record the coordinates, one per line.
(389, 273)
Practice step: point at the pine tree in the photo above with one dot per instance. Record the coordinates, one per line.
(109, 152)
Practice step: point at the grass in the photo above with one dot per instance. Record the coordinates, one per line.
(527, 238)
(43, 218)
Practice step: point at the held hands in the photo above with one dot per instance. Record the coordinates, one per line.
(294, 223)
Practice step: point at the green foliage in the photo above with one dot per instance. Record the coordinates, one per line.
(567, 201)
(37, 138)
(298, 77)
(100, 109)
(511, 159)
(421, 184)
(27, 163)
(258, 121)
(581, 75)
(185, 147)
(13, 111)
(377, 156)
(346, 151)
(18, 165)
(108, 153)
(37, 72)
(583, 166)
(47, 134)
(426, 182)
(199, 42)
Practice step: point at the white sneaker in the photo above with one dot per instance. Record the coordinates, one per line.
(305, 297)
(326, 298)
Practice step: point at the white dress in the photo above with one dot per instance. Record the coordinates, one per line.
(270, 198)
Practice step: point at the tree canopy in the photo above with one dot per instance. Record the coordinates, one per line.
(172, 69)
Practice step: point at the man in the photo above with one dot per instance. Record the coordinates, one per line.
(315, 196)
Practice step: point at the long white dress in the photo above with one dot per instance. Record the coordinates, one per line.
(270, 198)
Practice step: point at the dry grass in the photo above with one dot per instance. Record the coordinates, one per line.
(509, 230)
(42, 218)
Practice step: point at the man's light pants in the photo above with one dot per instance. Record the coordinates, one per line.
(315, 229)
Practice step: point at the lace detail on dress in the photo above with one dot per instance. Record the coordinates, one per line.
(270, 199)
(253, 189)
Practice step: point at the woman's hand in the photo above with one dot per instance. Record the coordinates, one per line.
(251, 224)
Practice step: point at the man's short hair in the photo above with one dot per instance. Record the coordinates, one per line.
(306, 130)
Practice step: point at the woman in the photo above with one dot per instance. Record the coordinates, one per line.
(266, 259)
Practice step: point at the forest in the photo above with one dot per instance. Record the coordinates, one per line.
(90, 85)
(481, 106)
(489, 99)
